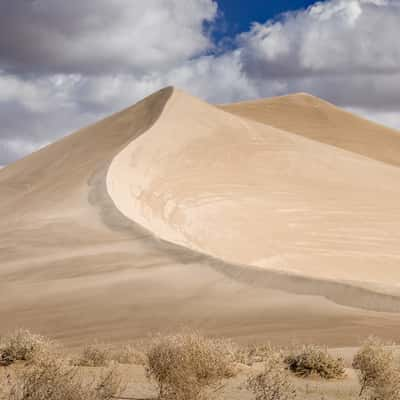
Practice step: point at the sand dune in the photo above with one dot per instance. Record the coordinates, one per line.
(251, 194)
(176, 212)
(319, 120)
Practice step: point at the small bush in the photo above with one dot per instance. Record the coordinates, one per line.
(128, 354)
(254, 354)
(184, 365)
(52, 379)
(24, 345)
(378, 373)
(93, 355)
(273, 383)
(312, 360)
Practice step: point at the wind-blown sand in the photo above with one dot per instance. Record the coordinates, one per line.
(319, 120)
(176, 212)
(251, 194)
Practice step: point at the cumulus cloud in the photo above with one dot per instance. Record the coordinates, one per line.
(102, 36)
(36, 111)
(66, 64)
(335, 37)
(33, 114)
(343, 50)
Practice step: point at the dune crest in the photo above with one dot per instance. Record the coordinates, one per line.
(252, 194)
(316, 119)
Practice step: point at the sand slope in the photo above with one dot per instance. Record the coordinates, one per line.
(251, 194)
(319, 120)
(76, 262)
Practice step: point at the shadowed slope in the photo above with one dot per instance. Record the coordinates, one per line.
(319, 120)
(47, 177)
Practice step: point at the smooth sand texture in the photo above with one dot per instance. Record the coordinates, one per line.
(75, 263)
(251, 194)
(319, 120)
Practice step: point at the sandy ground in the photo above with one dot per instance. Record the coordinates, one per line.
(138, 386)
(235, 388)
(76, 264)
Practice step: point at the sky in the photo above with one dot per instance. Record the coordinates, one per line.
(66, 64)
(238, 15)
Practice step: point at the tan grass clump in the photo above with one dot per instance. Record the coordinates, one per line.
(24, 345)
(185, 364)
(98, 355)
(127, 354)
(274, 382)
(254, 353)
(379, 374)
(313, 360)
(93, 355)
(52, 379)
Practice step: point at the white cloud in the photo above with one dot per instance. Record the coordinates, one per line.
(102, 36)
(36, 111)
(388, 118)
(66, 64)
(337, 36)
(37, 94)
(345, 51)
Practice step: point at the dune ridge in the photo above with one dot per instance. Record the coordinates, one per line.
(251, 194)
(316, 119)
(77, 259)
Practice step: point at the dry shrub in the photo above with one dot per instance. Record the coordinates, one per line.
(52, 379)
(127, 354)
(93, 355)
(313, 360)
(274, 382)
(379, 375)
(24, 345)
(254, 353)
(98, 355)
(185, 364)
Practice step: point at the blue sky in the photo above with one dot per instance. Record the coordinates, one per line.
(238, 15)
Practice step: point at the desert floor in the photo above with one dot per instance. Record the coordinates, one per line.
(314, 388)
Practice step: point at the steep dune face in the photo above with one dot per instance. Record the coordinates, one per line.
(76, 264)
(62, 170)
(46, 197)
(319, 120)
(252, 194)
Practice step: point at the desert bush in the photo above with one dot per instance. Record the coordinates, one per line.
(24, 345)
(313, 360)
(93, 355)
(254, 353)
(378, 373)
(98, 355)
(185, 364)
(127, 354)
(273, 383)
(52, 379)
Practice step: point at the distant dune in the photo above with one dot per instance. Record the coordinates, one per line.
(275, 219)
(319, 120)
